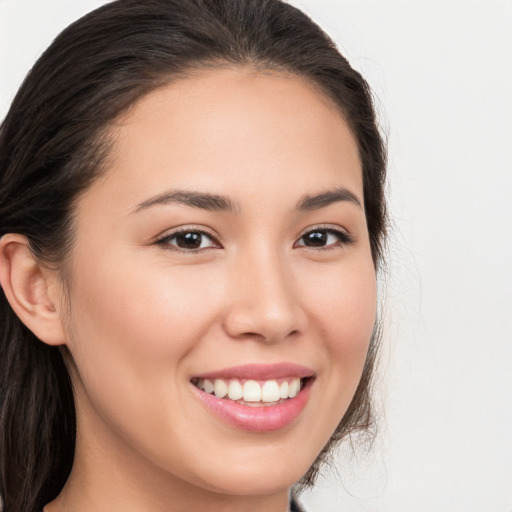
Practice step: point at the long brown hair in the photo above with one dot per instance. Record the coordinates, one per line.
(52, 147)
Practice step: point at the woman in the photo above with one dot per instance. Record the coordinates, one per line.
(192, 217)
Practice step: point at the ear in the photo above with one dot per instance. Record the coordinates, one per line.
(33, 290)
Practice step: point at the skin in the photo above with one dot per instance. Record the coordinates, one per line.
(141, 318)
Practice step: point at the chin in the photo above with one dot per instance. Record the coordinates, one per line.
(262, 476)
(252, 483)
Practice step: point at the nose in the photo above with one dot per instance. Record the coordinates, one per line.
(265, 301)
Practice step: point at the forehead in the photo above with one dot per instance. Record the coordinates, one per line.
(233, 128)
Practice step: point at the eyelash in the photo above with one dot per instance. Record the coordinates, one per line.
(344, 239)
(165, 240)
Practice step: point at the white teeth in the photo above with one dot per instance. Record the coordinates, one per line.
(294, 388)
(220, 388)
(283, 389)
(208, 386)
(235, 391)
(251, 391)
(270, 391)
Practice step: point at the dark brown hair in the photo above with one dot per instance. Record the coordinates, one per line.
(53, 145)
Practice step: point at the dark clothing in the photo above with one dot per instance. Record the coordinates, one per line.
(295, 506)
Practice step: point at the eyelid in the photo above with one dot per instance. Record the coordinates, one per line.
(345, 237)
(169, 234)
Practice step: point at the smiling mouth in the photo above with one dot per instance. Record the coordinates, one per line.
(252, 393)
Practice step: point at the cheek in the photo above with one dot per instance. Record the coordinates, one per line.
(131, 332)
(125, 332)
(341, 309)
(345, 306)
(344, 310)
(149, 318)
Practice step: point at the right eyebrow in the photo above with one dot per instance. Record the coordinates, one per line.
(205, 201)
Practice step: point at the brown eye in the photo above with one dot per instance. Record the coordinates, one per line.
(316, 239)
(324, 238)
(189, 240)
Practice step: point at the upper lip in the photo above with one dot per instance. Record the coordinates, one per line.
(259, 372)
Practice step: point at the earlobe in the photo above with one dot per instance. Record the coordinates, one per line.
(31, 289)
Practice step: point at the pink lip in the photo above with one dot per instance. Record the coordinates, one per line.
(259, 372)
(258, 419)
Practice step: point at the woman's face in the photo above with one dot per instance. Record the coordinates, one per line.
(226, 246)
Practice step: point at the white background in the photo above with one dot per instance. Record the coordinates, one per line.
(442, 73)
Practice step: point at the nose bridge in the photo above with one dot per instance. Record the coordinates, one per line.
(266, 303)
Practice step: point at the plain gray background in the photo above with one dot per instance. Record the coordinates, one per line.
(441, 71)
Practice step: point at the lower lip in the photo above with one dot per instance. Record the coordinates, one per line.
(256, 419)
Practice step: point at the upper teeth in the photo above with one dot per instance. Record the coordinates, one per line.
(251, 390)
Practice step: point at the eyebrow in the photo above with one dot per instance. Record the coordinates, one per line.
(317, 201)
(218, 203)
(205, 201)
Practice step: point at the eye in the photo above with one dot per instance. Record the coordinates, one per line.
(324, 238)
(189, 240)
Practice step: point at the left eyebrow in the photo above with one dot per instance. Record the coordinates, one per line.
(317, 201)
